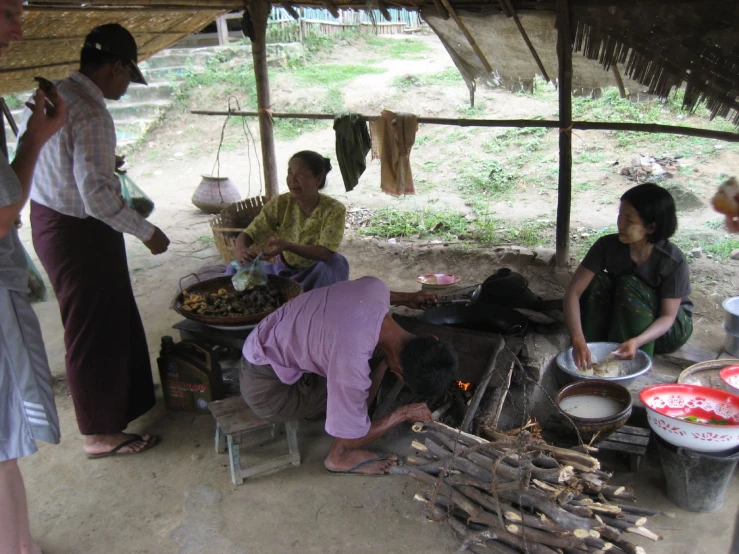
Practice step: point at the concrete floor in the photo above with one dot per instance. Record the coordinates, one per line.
(178, 498)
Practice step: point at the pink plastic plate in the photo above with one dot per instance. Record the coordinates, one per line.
(439, 280)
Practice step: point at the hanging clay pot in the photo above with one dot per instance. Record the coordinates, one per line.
(215, 193)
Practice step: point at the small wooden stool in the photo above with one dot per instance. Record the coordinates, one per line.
(235, 419)
(628, 440)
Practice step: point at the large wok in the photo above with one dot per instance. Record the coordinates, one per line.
(479, 317)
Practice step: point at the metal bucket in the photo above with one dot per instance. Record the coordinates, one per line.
(731, 317)
(731, 344)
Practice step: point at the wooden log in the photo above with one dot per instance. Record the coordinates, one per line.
(439, 412)
(564, 196)
(461, 479)
(629, 528)
(493, 410)
(482, 385)
(259, 11)
(577, 460)
(511, 123)
(459, 463)
(638, 510)
(639, 521)
(580, 511)
(561, 517)
(619, 80)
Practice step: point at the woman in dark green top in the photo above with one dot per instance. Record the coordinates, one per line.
(632, 287)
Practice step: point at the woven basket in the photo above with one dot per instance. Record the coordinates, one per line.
(288, 288)
(231, 221)
(706, 373)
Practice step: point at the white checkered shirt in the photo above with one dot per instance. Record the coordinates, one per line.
(75, 173)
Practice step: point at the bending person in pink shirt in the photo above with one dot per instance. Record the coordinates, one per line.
(312, 356)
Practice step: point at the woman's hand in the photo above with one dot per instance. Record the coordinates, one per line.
(275, 247)
(732, 224)
(626, 350)
(581, 354)
(244, 254)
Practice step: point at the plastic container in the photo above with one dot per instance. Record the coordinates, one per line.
(190, 377)
(696, 481)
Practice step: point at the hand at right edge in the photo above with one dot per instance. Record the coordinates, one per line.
(158, 243)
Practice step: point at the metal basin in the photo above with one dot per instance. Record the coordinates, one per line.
(731, 317)
(630, 370)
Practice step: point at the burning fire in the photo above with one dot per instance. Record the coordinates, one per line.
(464, 386)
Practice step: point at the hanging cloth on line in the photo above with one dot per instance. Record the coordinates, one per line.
(393, 135)
(352, 145)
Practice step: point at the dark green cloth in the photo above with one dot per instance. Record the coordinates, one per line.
(352, 145)
(617, 309)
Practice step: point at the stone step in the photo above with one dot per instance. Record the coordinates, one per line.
(131, 112)
(172, 74)
(138, 94)
(173, 57)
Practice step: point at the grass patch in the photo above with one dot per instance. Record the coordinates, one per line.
(720, 247)
(332, 74)
(450, 77)
(332, 101)
(405, 48)
(489, 178)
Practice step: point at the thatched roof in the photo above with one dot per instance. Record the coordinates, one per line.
(663, 43)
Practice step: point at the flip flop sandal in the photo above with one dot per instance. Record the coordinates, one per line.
(153, 440)
(353, 471)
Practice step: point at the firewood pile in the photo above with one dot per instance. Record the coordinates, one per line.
(522, 495)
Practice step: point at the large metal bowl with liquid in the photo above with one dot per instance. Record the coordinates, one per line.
(629, 370)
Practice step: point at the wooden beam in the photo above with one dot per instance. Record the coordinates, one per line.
(514, 123)
(468, 36)
(290, 9)
(259, 11)
(383, 10)
(441, 9)
(331, 6)
(509, 9)
(564, 197)
(619, 80)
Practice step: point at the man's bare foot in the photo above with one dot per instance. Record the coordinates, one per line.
(359, 461)
(102, 444)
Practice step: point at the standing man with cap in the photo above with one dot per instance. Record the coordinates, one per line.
(78, 218)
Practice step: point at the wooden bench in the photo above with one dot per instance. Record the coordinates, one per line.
(632, 441)
(234, 419)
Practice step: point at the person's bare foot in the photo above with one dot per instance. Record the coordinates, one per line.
(359, 461)
(101, 444)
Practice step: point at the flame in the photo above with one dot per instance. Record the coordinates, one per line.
(464, 386)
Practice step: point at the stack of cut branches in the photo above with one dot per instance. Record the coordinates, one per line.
(514, 495)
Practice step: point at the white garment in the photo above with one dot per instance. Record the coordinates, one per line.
(27, 409)
(75, 173)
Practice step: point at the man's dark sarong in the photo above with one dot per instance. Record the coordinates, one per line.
(108, 366)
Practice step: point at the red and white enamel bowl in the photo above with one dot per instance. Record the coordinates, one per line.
(667, 404)
(730, 376)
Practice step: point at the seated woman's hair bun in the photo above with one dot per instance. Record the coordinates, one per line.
(327, 165)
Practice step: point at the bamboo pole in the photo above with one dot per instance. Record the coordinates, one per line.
(512, 123)
(619, 80)
(564, 197)
(468, 36)
(511, 12)
(259, 11)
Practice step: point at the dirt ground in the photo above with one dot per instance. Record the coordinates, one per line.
(178, 498)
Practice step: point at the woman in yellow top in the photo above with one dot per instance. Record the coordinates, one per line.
(303, 227)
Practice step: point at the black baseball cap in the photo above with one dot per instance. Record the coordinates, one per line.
(115, 40)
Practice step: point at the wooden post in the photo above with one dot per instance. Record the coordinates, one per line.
(222, 27)
(619, 80)
(259, 11)
(564, 201)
